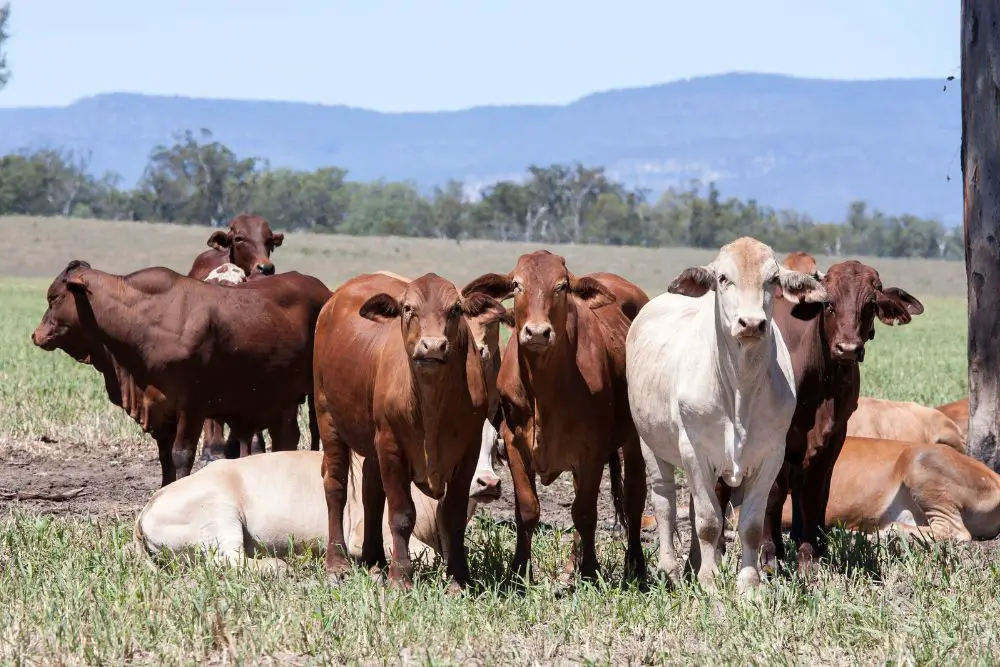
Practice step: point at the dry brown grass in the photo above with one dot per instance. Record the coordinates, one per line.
(41, 248)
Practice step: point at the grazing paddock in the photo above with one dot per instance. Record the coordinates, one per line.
(72, 592)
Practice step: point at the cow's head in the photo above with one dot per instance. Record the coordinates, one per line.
(60, 327)
(250, 242)
(486, 333)
(746, 278)
(542, 287)
(803, 262)
(856, 298)
(486, 484)
(431, 314)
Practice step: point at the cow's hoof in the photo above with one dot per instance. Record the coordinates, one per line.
(454, 588)
(747, 581)
(210, 454)
(402, 584)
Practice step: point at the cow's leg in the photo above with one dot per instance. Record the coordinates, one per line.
(314, 442)
(756, 492)
(213, 444)
(663, 492)
(707, 524)
(724, 493)
(165, 436)
(588, 486)
(335, 469)
(454, 511)
(186, 441)
(402, 512)
(635, 501)
(285, 431)
(814, 496)
(258, 445)
(772, 550)
(526, 507)
(373, 503)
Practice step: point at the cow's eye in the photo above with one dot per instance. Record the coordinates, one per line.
(455, 311)
(560, 287)
(723, 279)
(830, 309)
(407, 309)
(239, 239)
(516, 286)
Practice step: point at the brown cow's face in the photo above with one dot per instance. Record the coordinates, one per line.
(857, 297)
(431, 314)
(60, 326)
(541, 286)
(250, 243)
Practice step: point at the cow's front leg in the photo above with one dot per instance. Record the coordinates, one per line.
(526, 508)
(454, 511)
(284, 430)
(186, 441)
(165, 436)
(213, 442)
(335, 470)
(588, 485)
(706, 512)
(402, 512)
(756, 491)
(814, 496)
(663, 492)
(772, 550)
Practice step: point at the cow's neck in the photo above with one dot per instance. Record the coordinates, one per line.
(546, 371)
(111, 310)
(436, 394)
(744, 371)
(104, 364)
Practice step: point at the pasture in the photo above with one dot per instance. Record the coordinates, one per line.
(75, 471)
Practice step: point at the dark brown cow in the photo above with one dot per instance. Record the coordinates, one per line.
(565, 401)
(399, 380)
(827, 344)
(176, 337)
(248, 243)
(958, 412)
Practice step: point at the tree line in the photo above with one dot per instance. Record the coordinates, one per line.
(198, 180)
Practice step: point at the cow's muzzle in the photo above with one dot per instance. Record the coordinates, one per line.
(485, 487)
(848, 353)
(537, 335)
(431, 350)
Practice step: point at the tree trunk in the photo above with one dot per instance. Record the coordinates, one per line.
(981, 175)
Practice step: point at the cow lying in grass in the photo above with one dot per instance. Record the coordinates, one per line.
(274, 505)
(905, 421)
(925, 489)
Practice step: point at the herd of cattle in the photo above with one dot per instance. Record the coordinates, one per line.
(745, 373)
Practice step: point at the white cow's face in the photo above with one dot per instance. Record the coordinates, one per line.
(746, 279)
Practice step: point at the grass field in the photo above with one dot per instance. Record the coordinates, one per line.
(71, 592)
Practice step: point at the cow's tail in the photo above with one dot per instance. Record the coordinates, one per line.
(314, 443)
(617, 487)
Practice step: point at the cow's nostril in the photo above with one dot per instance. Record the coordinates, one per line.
(760, 326)
(742, 322)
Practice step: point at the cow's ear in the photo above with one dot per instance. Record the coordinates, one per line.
(278, 239)
(591, 291)
(379, 308)
(895, 306)
(77, 284)
(220, 240)
(694, 282)
(798, 287)
(806, 311)
(508, 317)
(483, 307)
(491, 284)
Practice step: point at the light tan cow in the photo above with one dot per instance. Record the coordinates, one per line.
(905, 421)
(261, 505)
(958, 412)
(926, 489)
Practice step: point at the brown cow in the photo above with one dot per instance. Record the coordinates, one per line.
(958, 412)
(827, 344)
(248, 243)
(565, 401)
(177, 336)
(903, 420)
(399, 381)
(884, 484)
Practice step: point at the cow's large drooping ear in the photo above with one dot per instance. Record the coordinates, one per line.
(694, 281)
(591, 291)
(278, 239)
(895, 306)
(483, 307)
(798, 287)
(220, 240)
(380, 307)
(491, 284)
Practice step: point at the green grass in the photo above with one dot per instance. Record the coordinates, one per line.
(72, 592)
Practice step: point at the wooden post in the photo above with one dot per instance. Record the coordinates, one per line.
(981, 176)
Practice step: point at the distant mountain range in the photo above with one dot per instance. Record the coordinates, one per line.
(812, 145)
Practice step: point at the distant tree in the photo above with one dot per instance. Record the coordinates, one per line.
(4, 35)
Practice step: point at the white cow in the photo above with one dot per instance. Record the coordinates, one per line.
(227, 273)
(262, 505)
(711, 389)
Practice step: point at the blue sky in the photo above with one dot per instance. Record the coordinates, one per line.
(406, 55)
